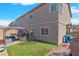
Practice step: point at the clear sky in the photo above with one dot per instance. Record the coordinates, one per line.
(75, 13)
(11, 11)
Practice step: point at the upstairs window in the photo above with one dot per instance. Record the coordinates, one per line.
(60, 7)
(53, 7)
(30, 16)
(56, 7)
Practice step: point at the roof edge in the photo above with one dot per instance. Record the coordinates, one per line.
(69, 9)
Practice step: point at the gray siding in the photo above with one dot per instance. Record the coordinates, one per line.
(64, 18)
(42, 18)
(42, 15)
(52, 36)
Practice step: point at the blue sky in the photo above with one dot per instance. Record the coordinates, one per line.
(75, 13)
(11, 11)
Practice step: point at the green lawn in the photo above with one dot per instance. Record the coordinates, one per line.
(32, 48)
(72, 33)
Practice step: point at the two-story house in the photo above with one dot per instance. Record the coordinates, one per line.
(50, 21)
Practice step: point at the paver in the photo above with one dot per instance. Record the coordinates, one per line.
(60, 51)
(4, 53)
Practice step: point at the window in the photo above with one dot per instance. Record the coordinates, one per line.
(30, 26)
(53, 7)
(60, 7)
(44, 31)
(30, 16)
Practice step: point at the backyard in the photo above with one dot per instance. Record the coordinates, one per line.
(32, 48)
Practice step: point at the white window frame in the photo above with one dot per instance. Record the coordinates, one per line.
(41, 33)
(59, 8)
